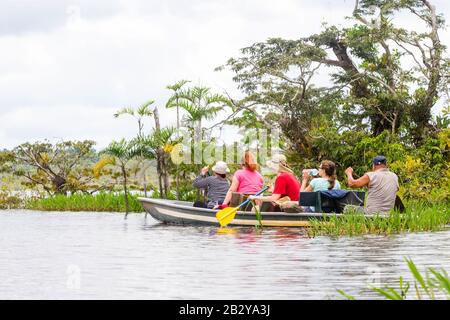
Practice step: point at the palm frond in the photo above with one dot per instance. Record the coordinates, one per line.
(123, 149)
(144, 109)
(177, 85)
(126, 110)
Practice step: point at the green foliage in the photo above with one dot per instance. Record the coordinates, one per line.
(426, 287)
(8, 201)
(101, 202)
(57, 168)
(418, 217)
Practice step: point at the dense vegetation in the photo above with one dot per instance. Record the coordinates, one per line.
(417, 217)
(383, 81)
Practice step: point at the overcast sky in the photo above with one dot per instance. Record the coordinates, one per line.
(67, 65)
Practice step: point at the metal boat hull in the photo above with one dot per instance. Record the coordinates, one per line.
(183, 213)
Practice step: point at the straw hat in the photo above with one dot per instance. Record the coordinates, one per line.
(278, 163)
(221, 168)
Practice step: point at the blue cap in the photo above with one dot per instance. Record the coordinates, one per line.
(379, 160)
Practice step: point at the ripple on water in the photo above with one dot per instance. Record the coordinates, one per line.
(103, 256)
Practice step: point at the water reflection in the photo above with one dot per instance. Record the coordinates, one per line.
(142, 259)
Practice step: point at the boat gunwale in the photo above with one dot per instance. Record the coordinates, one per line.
(169, 203)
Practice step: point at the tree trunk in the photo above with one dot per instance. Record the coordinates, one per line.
(125, 188)
(159, 154)
(59, 184)
(178, 132)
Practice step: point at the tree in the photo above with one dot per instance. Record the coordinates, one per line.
(384, 77)
(155, 147)
(120, 153)
(200, 104)
(139, 114)
(174, 101)
(58, 168)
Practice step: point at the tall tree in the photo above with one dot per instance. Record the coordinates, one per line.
(154, 146)
(120, 153)
(200, 104)
(139, 114)
(174, 101)
(385, 76)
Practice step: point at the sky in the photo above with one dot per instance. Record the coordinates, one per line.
(66, 66)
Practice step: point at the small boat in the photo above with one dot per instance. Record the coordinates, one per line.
(183, 213)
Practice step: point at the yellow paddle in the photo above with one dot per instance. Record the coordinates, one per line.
(225, 216)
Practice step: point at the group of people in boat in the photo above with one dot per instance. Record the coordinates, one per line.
(382, 184)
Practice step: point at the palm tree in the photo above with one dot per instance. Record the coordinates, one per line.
(156, 146)
(120, 153)
(174, 101)
(200, 104)
(139, 113)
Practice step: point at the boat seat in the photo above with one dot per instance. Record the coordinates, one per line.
(237, 198)
(322, 201)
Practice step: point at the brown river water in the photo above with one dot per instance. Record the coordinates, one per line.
(104, 256)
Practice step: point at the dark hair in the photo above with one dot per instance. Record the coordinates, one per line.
(330, 171)
(222, 175)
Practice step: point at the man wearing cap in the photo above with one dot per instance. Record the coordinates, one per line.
(217, 185)
(382, 185)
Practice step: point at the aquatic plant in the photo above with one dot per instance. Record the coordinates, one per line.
(418, 217)
(101, 202)
(433, 284)
(259, 226)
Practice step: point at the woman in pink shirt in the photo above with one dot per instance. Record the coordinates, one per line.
(246, 180)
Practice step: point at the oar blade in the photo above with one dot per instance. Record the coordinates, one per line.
(225, 216)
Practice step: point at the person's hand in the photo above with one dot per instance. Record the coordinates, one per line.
(204, 171)
(305, 174)
(349, 171)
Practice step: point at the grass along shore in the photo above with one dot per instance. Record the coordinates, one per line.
(418, 217)
(101, 202)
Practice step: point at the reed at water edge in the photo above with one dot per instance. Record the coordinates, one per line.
(419, 216)
(101, 202)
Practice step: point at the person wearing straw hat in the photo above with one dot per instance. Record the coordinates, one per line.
(286, 184)
(217, 184)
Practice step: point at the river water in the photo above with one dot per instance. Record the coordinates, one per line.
(103, 256)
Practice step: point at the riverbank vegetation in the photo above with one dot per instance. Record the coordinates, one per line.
(435, 284)
(419, 216)
(101, 202)
(379, 84)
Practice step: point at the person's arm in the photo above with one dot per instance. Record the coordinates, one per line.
(305, 187)
(356, 183)
(234, 186)
(201, 182)
(278, 190)
(273, 197)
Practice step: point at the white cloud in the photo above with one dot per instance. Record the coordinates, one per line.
(68, 65)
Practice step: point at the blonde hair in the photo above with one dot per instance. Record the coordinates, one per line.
(249, 162)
